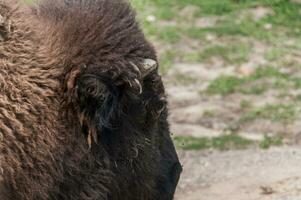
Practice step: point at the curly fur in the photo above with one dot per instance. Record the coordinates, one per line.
(73, 121)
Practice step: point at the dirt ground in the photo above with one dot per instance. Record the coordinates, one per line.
(251, 174)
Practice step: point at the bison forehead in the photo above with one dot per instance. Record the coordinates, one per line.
(81, 33)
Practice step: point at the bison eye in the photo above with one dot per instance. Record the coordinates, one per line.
(90, 87)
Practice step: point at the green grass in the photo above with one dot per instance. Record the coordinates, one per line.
(169, 34)
(29, 1)
(268, 78)
(269, 141)
(245, 28)
(224, 142)
(298, 97)
(224, 85)
(208, 113)
(234, 53)
(285, 24)
(268, 72)
(245, 104)
(181, 79)
(166, 60)
(286, 14)
(273, 112)
(275, 54)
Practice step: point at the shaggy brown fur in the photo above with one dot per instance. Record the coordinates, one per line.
(80, 116)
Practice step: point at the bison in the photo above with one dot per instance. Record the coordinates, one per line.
(83, 112)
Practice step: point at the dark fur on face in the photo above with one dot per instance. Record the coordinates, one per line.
(83, 112)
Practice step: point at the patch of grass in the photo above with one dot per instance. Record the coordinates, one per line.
(298, 97)
(230, 26)
(297, 82)
(183, 79)
(170, 9)
(287, 14)
(167, 60)
(275, 54)
(213, 7)
(273, 112)
(247, 28)
(229, 84)
(224, 85)
(170, 35)
(29, 1)
(225, 142)
(191, 143)
(245, 104)
(161, 9)
(284, 24)
(208, 113)
(253, 89)
(196, 33)
(191, 57)
(285, 20)
(269, 141)
(233, 53)
(268, 72)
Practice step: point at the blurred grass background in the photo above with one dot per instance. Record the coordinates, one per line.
(172, 22)
(252, 48)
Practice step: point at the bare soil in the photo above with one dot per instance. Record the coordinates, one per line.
(252, 174)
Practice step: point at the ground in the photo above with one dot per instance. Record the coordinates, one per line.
(232, 70)
(251, 174)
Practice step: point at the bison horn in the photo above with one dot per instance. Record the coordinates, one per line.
(139, 85)
(149, 65)
(146, 67)
(136, 68)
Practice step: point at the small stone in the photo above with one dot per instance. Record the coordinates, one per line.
(151, 18)
(210, 37)
(268, 26)
(246, 70)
